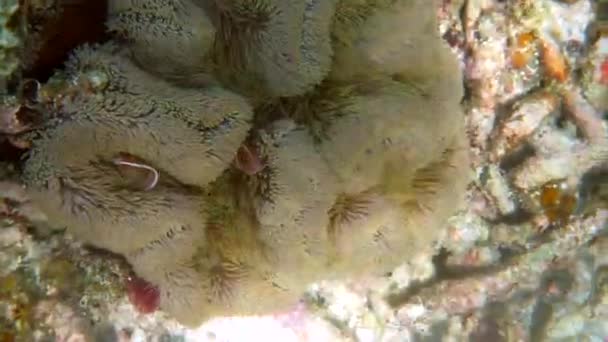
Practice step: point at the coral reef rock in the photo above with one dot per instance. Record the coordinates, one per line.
(235, 151)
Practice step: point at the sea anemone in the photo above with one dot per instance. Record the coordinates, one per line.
(222, 150)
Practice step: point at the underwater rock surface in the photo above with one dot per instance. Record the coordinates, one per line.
(359, 133)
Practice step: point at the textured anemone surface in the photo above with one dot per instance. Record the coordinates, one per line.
(233, 150)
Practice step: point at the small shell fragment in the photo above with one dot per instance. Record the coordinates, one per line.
(522, 122)
(554, 63)
(595, 73)
(499, 190)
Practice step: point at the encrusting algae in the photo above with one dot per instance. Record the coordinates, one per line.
(235, 151)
